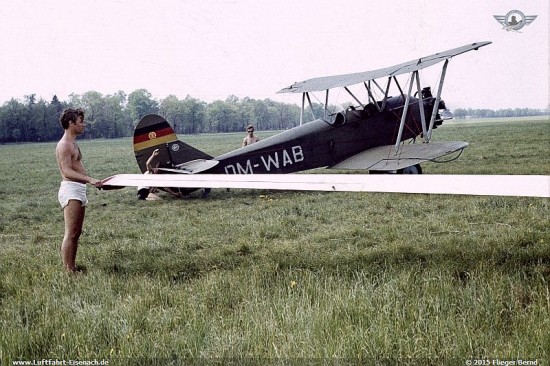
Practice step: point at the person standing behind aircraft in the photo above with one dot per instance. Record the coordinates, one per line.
(250, 138)
(72, 191)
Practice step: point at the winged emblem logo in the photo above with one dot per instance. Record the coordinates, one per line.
(514, 20)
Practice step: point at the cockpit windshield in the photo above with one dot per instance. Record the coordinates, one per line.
(336, 116)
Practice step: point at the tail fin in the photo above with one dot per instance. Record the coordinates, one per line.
(154, 132)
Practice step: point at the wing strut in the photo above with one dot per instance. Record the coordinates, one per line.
(378, 86)
(386, 95)
(421, 105)
(302, 110)
(371, 97)
(310, 106)
(398, 86)
(379, 107)
(353, 96)
(326, 104)
(427, 133)
(405, 110)
(304, 96)
(437, 100)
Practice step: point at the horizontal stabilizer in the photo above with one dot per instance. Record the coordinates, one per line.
(193, 166)
(483, 185)
(387, 158)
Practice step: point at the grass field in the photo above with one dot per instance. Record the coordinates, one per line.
(265, 277)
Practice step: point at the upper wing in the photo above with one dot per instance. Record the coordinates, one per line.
(485, 185)
(387, 158)
(329, 82)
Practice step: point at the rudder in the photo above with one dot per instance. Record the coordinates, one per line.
(154, 132)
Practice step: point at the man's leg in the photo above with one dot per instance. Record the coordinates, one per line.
(74, 218)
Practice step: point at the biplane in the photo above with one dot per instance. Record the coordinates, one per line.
(382, 133)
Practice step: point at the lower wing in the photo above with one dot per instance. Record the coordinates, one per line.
(387, 158)
(483, 185)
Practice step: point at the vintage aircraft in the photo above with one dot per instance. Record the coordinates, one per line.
(391, 134)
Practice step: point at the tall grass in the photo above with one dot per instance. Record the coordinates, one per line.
(264, 277)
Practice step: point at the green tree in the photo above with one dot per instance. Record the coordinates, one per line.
(37, 113)
(92, 103)
(173, 110)
(141, 103)
(221, 116)
(195, 112)
(13, 116)
(120, 123)
(52, 127)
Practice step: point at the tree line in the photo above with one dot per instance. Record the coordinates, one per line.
(115, 115)
(461, 113)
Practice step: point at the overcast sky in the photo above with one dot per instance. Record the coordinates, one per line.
(210, 49)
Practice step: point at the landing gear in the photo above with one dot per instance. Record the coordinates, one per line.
(206, 193)
(413, 169)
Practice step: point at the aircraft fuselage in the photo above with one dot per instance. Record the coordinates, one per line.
(322, 144)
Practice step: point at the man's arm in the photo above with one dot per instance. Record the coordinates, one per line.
(66, 157)
(149, 163)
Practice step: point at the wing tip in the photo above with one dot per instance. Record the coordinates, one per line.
(481, 44)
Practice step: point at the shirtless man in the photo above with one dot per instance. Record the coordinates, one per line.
(72, 192)
(250, 138)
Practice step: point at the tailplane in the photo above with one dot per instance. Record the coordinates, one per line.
(154, 132)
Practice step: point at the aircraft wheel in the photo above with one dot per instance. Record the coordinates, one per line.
(414, 169)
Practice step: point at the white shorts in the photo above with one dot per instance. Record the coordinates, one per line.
(72, 191)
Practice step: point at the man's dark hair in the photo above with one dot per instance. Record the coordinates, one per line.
(70, 115)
